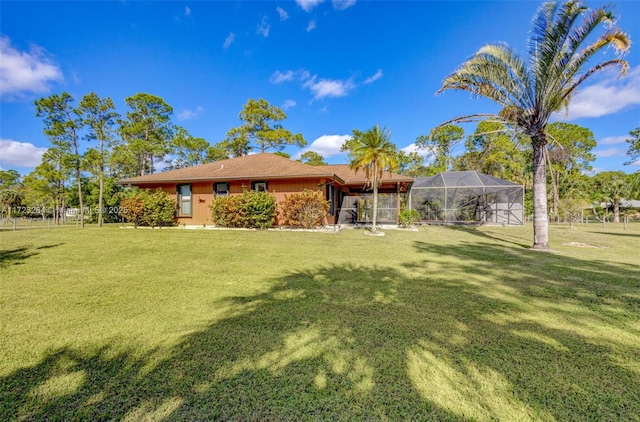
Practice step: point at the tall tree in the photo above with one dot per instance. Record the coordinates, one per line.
(411, 164)
(562, 43)
(611, 187)
(99, 115)
(569, 157)
(10, 190)
(187, 150)
(634, 185)
(634, 145)
(440, 144)
(373, 153)
(46, 185)
(62, 126)
(147, 132)
(261, 129)
(491, 150)
(575, 198)
(217, 152)
(235, 145)
(312, 158)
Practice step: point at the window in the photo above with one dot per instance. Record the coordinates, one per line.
(329, 196)
(221, 189)
(259, 186)
(184, 200)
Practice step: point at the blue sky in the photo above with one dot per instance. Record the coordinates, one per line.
(333, 66)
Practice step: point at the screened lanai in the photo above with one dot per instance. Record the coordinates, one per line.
(456, 197)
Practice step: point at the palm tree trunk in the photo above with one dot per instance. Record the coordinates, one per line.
(616, 211)
(540, 216)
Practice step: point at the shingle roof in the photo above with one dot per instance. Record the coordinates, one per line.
(257, 166)
(351, 177)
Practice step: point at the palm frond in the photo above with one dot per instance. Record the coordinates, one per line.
(530, 91)
(591, 21)
(542, 20)
(624, 66)
(550, 54)
(558, 61)
(471, 118)
(615, 37)
(373, 153)
(494, 72)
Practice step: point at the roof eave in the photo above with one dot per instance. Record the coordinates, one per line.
(246, 177)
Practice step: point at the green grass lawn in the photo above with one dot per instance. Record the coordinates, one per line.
(446, 323)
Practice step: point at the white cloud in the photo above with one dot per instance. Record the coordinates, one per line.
(280, 77)
(613, 140)
(374, 77)
(229, 40)
(263, 27)
(323, 88)
(608, 96)
(283, 13)
(311, 26)
(327, 145)
(610, 152)
(25, 72)
(19, 154)
(288, 104)
(414, 148)
(187, 11)
(190, 114)
(304, 74)
(330, 88)
(342, 4)
(307, 5)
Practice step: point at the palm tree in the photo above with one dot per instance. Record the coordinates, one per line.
(373, 152)
(612, 187)
(529, 91)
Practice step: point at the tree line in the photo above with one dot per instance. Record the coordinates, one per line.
(92, 146)
(117, 147)
(499, 150)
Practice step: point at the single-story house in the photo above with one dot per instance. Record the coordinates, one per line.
(195, 187)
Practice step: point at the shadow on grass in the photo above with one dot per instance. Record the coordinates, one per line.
(425, 341)
(53, 245)
(618, 234)
(474, 231)
(16, 256)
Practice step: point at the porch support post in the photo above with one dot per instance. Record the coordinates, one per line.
(398, 202)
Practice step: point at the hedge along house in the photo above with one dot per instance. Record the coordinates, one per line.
(196, 187)
(459, 197)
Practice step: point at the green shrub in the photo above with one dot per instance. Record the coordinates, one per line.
(159, 209)
(228, 211)
(147, 208)
(305, 209)
(250, 210)
(261, 209)
(408, 217)
(132, 209)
